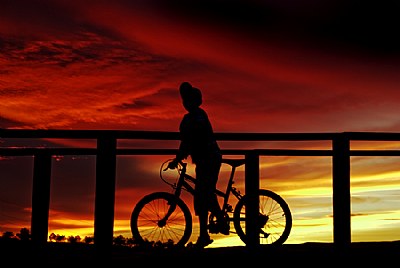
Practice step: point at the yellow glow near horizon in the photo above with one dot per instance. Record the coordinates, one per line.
(76, 227)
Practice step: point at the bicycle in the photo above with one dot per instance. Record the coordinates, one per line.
(163, 217)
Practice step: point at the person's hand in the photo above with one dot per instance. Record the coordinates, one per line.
(173, 164)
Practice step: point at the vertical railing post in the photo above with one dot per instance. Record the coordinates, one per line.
(105, 194)
(252, 186)
(341, 191)
(40, 199)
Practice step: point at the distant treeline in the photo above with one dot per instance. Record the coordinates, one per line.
(120, 240)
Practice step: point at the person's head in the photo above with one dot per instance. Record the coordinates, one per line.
(191, 96)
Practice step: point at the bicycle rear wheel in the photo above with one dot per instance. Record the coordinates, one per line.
(161, 217)
(275, 218)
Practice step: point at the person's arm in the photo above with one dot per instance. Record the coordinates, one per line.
(182, 154)
(183, 151)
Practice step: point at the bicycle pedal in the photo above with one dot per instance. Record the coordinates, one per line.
(213, 228)
(266, 235)
(224, 229)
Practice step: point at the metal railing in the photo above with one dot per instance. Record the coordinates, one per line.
(106, 152)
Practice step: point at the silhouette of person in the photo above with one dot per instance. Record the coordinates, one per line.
(198, 142)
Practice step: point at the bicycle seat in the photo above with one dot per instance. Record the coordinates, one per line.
(234, 162)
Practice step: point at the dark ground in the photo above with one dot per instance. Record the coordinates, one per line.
(311, 254)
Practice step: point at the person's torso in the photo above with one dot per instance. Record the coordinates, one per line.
(197, 132)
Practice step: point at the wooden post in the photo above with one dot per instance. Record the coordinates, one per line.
(40, 199)
(105, 195)
(341, 191)
(252, 186)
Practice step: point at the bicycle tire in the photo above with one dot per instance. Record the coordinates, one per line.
(145, 221)
(275, 218)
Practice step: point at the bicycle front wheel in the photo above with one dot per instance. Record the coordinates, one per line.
(163, 218)
(274, 221)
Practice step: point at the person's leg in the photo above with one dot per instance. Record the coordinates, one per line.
(214, 206)
(203, 221)
(204, 238)
(201, 205)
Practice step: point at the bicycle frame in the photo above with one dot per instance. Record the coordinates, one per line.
(184, 179)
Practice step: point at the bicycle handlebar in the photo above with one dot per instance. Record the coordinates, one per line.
(166, 166)
(179, 162)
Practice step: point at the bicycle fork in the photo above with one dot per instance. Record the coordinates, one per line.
(262, 221)
(172, 203)
(162, 222)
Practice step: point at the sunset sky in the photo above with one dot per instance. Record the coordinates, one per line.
(262, 65)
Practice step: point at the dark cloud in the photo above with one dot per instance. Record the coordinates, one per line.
(8, 123)
(88, 47)
(333, 24)
(153, 100)
(73, 184)
(15, 192)
(37, 18)
(345, 24)
(136, 104)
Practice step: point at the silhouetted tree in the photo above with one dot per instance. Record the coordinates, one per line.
(52, 237)
(130, 242)
(24, 234)
(88, 239)
(7, 235)
(74, 239)
(119, 240)
(57, 237)
(60, 238)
